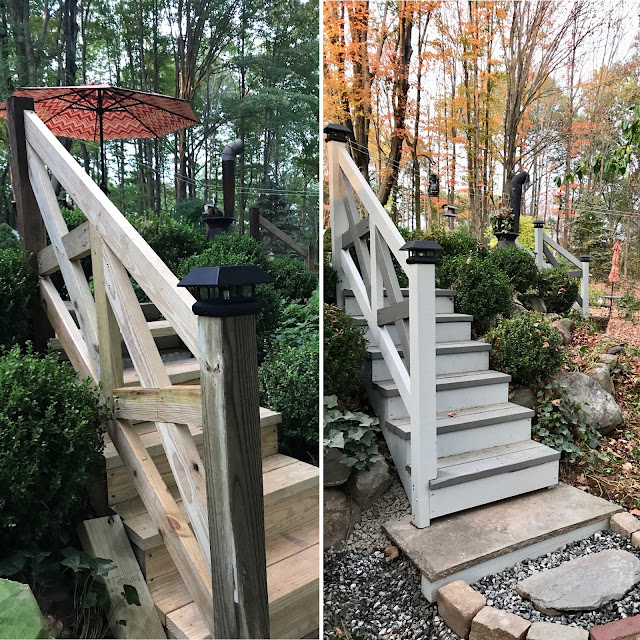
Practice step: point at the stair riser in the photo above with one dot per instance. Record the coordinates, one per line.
(390, 408)
(400, 452)
(478, 492)
(120, 484)
(445, 364)
(443, 305)
(445, 332)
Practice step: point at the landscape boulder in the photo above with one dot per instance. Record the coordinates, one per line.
(335, 472)
(561, 327)
(367, 486)
(538, 305)
(608, 359)
(597, 407)
(582, 584)
(616, 349)
(524, 396)
(602, 376)
(339, 516)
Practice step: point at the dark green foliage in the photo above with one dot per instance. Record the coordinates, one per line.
(173, 240)
(294, 282)
(17, 287)
(527, 348)
(518, 264)
(50, 443)
(8, 239)
(556, 423)
(344, 352)
(558, 290)
(453, 243)
(483, 291)
(233, 249)
(191, 211)
(289, 380)
(73, 217)
(330, 280)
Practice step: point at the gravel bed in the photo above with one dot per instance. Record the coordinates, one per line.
(499, 589)
(369, 597)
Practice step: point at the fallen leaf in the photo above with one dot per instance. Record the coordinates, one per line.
(634, 512)
(391, 553)
(453, 414)
(581, 479)
(583, 487)
(627, 466)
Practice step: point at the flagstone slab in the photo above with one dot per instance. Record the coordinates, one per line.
(582, 584)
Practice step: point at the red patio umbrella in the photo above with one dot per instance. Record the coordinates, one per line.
(102, 112)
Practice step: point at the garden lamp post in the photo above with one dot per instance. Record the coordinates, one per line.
(226, 306)
(450, 212)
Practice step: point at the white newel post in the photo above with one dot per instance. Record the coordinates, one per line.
(423, 255)
(585, 260)
(538, 231)
(336, 138)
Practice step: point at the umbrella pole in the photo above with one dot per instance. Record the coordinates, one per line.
(103, 184)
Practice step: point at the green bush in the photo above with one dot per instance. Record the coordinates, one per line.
(453, 243)
(8, 239)
(73, 217)
(518, 264)
(294, 281)
(191, 210)
(558, 290)
(345, 348)
(17, 288)
(173, 240)
(299, 322)
(330, 280)
(526, 347)
(50, 443)
(483, 291)
(289, 383)
(232, 249)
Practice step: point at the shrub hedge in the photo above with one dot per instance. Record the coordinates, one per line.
(17, 288)
(518, 264)
(293, 280)
(558, 290)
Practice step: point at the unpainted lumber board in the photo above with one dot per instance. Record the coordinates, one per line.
(76, 244)
(179, 372)
(106, 538)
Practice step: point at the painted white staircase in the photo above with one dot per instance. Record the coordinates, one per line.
(484, 447)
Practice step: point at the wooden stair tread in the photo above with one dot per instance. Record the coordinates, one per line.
(282, 478)
(291, 581)
(179, 371)
(465, 419)
(153, 442)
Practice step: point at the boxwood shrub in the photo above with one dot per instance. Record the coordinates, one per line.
(482, 289)
(50, 443)
(526, 347)
(558, 290)
(518, 264)
(294, 281)
(17, 288)
(344, 352)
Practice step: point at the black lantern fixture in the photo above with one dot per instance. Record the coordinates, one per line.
(422, 251)
(434, 185)
(225, 291)
(215, 220)
(450, 211)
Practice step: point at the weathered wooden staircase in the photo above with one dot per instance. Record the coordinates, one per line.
(155, 446)
(456, 441)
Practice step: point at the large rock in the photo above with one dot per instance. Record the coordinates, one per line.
(494, 624)
(458, 605)
(583, 584)
(553, 631)
(597, 407)
(602, 376)
(563, 329)
(608, 359)
(616, 349)
(524, 396)
(537, 304)
(366, 487)
(339, 516)
(335, 472)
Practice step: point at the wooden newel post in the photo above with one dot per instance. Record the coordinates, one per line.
(226, 307)
(33, 237)
(254, 223)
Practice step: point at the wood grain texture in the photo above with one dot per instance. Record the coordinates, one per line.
(33, 237)
(231, 419)
(76, 244)
(68, 333)
(72, 272)
(106, 538)
(182, 452)
(174, 528)
(148, 270)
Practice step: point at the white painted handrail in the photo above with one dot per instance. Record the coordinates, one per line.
(414, 375)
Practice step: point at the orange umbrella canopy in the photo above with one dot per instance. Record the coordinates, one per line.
(100, 111)
(615, 263)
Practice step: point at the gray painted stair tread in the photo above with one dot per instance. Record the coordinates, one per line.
(462, 540)
(447, 382)
(440, 293)
(440, 317)
(442, 348)
(466, 419)
(485, 463)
